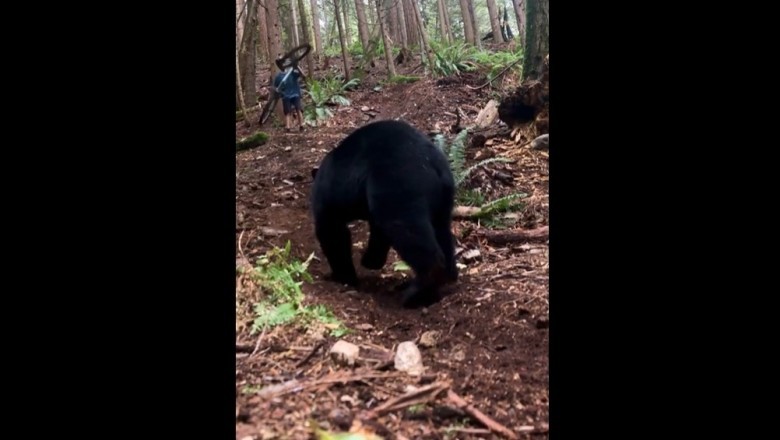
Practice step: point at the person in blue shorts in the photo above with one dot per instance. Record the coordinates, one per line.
(290, 91)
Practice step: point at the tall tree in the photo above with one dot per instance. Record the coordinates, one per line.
(537, 46)
(402, 26)
(342, 41)
(274, 32)
(386, 42)
(519, 7)
(474, 24)
(262, 32)
(424, 46)
(362, 22)
(315, 19)
(347, 29)
(448, 20)
(468, 23)
(412, 30)
(493, 13)
(443, 24)
(240, 10)
(305, 34)
(247, 56)
(296, 38)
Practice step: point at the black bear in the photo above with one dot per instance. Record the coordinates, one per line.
(391, 175)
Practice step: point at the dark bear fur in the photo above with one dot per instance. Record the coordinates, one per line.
(391, 175)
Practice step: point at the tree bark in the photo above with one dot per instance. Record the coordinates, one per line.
(345, 11)
(386, 42)
(274, 32)
(536, 37)
(468, 24)
(519, 7)
(305, 27)
(424, 46)
(337, 14)
(315, 18)
(443, 25)
(493, 12)
(262, 32)
(247, 54)
(360, 11)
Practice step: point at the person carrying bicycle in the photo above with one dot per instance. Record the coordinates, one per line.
(286, 84)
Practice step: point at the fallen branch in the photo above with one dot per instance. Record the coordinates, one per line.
(244, 348)
(517, 235)
(465, 212)
(339, 377)
(310, 355)
(480, 416)
(495, 77)
(421, 395)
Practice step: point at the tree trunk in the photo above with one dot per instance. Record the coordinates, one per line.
(412, 36)
(262, 32)
(424, 46)
(468, 24)
(247, 55)
(360, 11)
(274, 32)
(402, 23)
(448, 21)
(305, 34)
(296, 37)
(315, 18)
(445, 35)
(493, 12)
(537, 37)
(343, 43)
(519, 7)
(386, 42)
(345, 11)
(474, 25)
(240, 11)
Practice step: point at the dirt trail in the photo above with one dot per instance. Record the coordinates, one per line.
(493, 327)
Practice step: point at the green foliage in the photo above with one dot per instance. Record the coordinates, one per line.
(254, 140)
(402, 79)
(326, 92)
(460, 57)
(456, 154)
(280, 278)
(452, 59)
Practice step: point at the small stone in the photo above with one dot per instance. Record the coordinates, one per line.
(471, 255)
(344, 353)
(364, 327)
(287, 148)
(408, 358)
(364, 108)
(430, 338)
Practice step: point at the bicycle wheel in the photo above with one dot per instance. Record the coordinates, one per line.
(292, 57)
(269, 108)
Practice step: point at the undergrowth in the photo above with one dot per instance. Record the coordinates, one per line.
(456, 155)
(326, 92)
(279, 279)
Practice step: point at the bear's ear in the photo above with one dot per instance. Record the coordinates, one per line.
(314, 172)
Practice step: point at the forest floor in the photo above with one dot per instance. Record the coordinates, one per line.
(491, 332)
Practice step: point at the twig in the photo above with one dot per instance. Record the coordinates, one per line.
(421, 395)
(496, 77)
(310, 355)
(474, 431)
(244, 348)
(295, 385)
(480, 416)
(257, 345)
